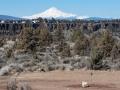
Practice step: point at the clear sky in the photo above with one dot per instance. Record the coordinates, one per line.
(98, 8)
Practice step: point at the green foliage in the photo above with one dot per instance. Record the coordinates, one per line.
(101, 48)
(60, 46)
(115, 52)
(34, 40)
(96, 63)
(106, 44)
(60, 41)
(12, 85)
(26, 87)
(2, 40)
(58, 36)
(9, 53)
(66, 51)
(77, 34)
(81, 44)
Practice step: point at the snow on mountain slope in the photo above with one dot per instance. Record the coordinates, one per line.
(82, 17)
(57, 14)
(52, 13)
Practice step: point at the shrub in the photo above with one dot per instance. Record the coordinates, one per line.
(66, 51)
(96, 62)
(5, 71)
(28, 64)
(26, 87)
(9, 53)
(60, 46)
(66, 61)
(12, 85)
(2, 40)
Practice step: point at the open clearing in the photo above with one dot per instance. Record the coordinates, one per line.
(66, 80)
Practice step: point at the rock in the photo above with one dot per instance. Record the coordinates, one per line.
(85, 84)
(41, 70)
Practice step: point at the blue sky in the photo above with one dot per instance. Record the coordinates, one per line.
(98, 8)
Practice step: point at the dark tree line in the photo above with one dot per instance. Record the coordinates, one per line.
(14, 27)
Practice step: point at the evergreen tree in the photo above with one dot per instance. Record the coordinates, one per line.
(106, 44)
(34, 40)
(58, 36)
(115, 52)
(96, 63)
(66, 51)
(77, 34)
(81, 43)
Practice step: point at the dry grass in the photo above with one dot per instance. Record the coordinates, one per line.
(69, 80)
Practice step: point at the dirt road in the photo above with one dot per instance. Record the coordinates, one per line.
(67, 80)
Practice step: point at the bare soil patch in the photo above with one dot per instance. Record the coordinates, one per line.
(95, 86)
(66, 80)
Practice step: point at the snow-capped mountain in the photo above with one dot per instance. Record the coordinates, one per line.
(54, 13)
(57, 14)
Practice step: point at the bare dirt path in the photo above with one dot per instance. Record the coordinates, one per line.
(67, 80)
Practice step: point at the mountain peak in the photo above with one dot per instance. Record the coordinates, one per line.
(53, 8)
(51, 13)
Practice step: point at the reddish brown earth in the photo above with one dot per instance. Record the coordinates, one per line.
(67, 80)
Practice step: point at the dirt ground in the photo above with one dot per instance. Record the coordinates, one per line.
(66, 80)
